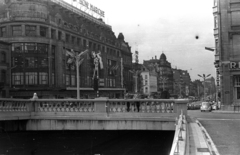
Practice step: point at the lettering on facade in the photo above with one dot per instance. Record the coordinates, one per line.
(91, 7)
(234, 65)
(23, 15)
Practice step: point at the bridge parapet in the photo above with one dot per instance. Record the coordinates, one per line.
(23, 108)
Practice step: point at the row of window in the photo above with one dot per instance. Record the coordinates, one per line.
(31, 78)
(29, 48)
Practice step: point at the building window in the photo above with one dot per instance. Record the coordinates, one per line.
(17, 48)
(215, 2)
(42, 48)
(31, 78)
(59, 35)
(17, 78)
(73, 40)
(215, 22)
(3, 76)
(84, 43)
(237, 86)
(17, 30)
(79, 41)
(53, 34)
(53, 79)
(43, 31)
(31, 62)
(3, 57)
(3, 32)
(73, 80)
(67, 38)
(43, 78)
(67, 80)
(30, 30)
(30, 48)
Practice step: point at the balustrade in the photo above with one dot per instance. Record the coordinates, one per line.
(81, 106)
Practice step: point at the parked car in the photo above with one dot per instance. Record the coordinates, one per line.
(206, 106)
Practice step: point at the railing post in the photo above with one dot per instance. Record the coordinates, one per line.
(181, 106)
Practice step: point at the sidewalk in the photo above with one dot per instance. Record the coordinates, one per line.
(197, 143)
(200, 142)
(226, 111)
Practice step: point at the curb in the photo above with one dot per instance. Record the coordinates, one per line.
(212, 147)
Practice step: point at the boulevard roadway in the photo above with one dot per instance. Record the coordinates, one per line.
(223, 128)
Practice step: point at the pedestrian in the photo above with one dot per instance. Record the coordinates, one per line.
(35, 96)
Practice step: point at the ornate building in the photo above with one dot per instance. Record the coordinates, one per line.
(41, 31)
(164, 72)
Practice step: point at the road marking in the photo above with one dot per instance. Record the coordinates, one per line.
(218, 119)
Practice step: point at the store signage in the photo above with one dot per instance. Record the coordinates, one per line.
(91, 7)
(234, 65)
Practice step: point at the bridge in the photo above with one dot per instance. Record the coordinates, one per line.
(97, 114)
(90, 114)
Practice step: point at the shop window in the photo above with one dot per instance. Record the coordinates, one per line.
(43, 31)
(43, 62)
(17, 78)
(31, 62)
(42, 48)
(43, 78)
(17, 48)
(30, 30)
(31, 78)
(3, 57)
(30, 48)
(3, 32)
(17, 30)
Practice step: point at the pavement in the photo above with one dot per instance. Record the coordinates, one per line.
(200, 143)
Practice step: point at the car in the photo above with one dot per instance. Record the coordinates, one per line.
(206, 106)
(214, 106)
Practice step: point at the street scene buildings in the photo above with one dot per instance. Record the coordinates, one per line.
(40, 39)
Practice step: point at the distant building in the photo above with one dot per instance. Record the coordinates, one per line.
(164, 72)
(182, 82)
(149, 79)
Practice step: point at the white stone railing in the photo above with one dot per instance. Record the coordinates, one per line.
(17, 108)
(180, 137)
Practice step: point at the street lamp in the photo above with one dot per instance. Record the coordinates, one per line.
(204, 78)
(76, 58)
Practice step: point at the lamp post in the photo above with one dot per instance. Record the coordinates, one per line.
(76, 58)
(204, 78)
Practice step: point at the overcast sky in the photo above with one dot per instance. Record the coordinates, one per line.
(168, 26)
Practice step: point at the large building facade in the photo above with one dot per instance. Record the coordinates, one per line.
(227, 43)
(39, 33)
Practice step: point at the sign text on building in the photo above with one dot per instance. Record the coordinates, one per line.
(91, 7)
(234, 65)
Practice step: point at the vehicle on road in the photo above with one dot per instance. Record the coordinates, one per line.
(206, 106)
